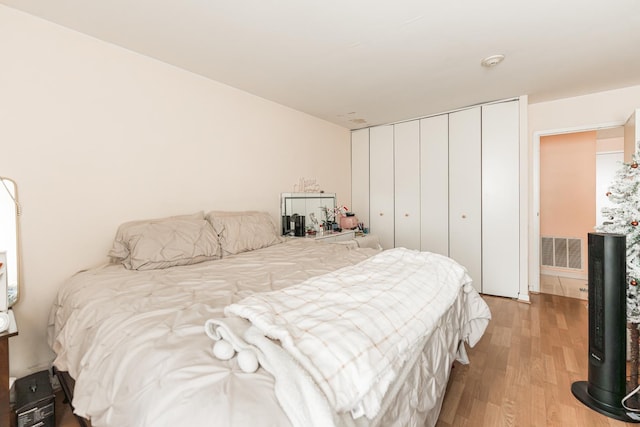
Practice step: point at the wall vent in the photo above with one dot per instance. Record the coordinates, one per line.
(561, 252)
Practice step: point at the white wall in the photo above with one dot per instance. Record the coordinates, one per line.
(612, 106)
(570, 114)
(96, 135)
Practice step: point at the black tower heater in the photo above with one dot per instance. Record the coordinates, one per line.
(606, 387)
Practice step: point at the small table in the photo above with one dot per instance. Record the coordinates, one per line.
(5, 409)
(335, 236)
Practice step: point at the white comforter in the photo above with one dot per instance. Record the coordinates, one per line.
(134, 342)
(352, 329)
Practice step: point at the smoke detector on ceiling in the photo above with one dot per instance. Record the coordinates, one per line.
(492, 61)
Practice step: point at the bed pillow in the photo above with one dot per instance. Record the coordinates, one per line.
(243, 231)
(169, 243)
(120, 250)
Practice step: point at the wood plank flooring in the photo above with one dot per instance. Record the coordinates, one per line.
(64, 416)
(520, 373)
(522, 370)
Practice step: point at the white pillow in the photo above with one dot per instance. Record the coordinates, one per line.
(130, 232)
(243, 231)
(169, 243)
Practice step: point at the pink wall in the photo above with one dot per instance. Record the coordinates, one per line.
(567, 186)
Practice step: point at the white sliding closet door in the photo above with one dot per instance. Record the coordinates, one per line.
(465, 192)
(500, 199)
(434, 184)
(407, 184)
(360, 175)
(381, 184)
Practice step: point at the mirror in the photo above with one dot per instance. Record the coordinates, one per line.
(9, 243)
(311, 206)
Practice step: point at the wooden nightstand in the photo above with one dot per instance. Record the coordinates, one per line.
(5, 409)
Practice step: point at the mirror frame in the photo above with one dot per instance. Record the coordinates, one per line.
(5, 188)
(304, 204)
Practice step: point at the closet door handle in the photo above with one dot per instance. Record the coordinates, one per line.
(381, 213)
(406, 214)
(464, 216)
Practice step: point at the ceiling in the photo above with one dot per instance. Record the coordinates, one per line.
(360, 63)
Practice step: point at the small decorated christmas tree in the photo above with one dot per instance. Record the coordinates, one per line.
(624, 218)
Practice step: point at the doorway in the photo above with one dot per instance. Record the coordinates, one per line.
(574, 167)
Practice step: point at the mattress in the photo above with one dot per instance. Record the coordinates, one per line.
(134, 342)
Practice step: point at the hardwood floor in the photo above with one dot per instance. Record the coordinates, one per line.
(520, 373)
(522, 370)
(564, 286)
(64, 416)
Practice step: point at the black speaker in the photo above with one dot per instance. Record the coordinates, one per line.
(606, 386)
(298, 225)
(286, 225)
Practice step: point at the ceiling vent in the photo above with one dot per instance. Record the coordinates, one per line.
(492, 61)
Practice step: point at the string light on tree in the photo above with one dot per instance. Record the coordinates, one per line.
(623, 218)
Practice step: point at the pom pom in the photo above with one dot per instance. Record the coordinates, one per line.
(223, 350)
(248, 361)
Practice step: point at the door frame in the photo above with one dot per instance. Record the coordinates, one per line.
(534, 242)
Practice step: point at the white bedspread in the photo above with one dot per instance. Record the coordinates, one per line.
(134, 342)
(350, 329)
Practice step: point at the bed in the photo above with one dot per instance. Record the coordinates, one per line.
(132, 334)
